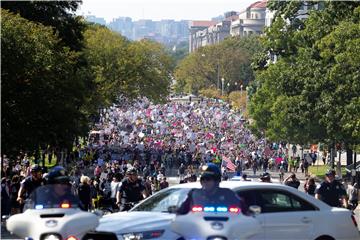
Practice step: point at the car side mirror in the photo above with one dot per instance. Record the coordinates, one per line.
(255, 209)
(4, 218)
(98, 213)
(172, 209)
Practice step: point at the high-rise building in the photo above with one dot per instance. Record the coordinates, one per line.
(94, 19)
(123, 25)
(168, 32)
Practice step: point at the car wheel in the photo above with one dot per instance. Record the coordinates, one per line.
(325, 238)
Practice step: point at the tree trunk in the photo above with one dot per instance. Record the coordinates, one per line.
(349, 156)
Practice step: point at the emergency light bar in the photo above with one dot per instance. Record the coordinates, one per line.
(219, 209)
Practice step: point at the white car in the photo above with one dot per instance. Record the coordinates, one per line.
(286, 213)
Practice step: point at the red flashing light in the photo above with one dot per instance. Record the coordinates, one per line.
(197, 209)
(234, 209)
(156, 234)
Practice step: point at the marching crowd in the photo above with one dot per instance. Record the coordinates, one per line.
(154, 140)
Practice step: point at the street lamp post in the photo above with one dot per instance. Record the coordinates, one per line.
(222, 86)
(218, 74)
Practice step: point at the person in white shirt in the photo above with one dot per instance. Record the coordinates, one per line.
(114, 185)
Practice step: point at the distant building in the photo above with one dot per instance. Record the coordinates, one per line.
(168, 32)
(303, 13)
(251, 20)
(94, 19)
(196, 33)
(247, 22)
(123, 25)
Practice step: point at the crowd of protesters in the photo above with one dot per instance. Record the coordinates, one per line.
(158, 140)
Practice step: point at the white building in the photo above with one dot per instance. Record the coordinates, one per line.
(251, 20)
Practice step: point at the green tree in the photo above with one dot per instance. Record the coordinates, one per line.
(121, 67)
(41, 94)
(60, 15)
(231, 60)
(311, 93)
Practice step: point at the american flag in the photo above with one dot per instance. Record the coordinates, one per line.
(226, 162)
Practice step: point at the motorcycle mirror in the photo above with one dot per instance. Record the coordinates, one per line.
(172, 209)
(255, 209)
(98, 213)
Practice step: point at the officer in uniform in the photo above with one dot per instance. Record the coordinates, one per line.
(56, 191)
(211, 194)
(132, 190)
(29, 184)
(331, 191)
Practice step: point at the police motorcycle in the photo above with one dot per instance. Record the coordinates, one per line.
(52, 212)
(216, 216)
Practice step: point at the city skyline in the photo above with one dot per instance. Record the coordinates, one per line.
(161, 9)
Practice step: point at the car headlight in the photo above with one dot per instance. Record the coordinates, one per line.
(51, 236)
(143, 235)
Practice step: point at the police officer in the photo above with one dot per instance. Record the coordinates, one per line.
(331, 191)
(132, 190)
(211, 194)
(58, 175)
(265, 177)
(29, 184)
(56, 191)
(292, 181)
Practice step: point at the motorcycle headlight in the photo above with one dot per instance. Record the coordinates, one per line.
(51, 236)
(143, 235)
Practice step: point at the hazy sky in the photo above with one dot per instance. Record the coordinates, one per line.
(161, 9)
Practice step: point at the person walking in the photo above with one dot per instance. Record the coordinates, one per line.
(5, 197)
(14, 190)
(84, 192)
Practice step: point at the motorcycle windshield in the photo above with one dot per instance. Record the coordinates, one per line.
(52, 196)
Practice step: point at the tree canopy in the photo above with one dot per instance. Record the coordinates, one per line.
(53, 85)
(230, 59)
(311, 93)
(41, 93)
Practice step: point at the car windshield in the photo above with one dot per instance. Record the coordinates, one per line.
(52, 196)
(161, 201)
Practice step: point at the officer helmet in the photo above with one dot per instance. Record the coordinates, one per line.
(131, 171)
(57, 175)
(211, 171)
(35, 168)
(330, 172)
(265, 176)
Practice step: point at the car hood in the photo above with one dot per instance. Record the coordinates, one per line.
(124, 222)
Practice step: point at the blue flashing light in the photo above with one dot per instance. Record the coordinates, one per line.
(221, 209)
(40, 206)
(209, 209)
